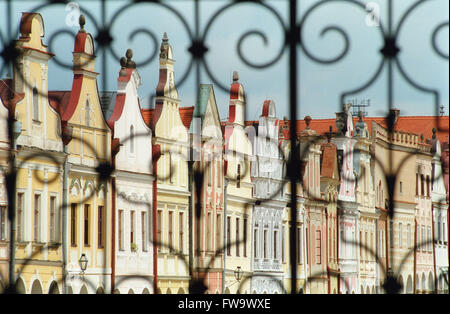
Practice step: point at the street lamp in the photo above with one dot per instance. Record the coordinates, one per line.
(238, 273)
(83, 262)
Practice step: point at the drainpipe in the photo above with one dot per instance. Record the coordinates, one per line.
(326, 239)
(14, 130)
(64, 218)
(225, 197)
(387, 242)
(113, 230)
(338, 227)
(415, 251)
(305, 251)
(434, 250)
(156, 154)
(191, 208)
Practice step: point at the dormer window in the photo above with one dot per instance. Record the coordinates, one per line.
(35, 104)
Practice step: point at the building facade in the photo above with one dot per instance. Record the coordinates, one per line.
(39, 183)
(267, 222)
(132, 188)
(172, 200)
(87, 142)
(239, 197)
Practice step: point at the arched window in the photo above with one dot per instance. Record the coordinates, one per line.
(35, 104)
(132, 139)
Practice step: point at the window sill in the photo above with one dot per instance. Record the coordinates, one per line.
(37, 122)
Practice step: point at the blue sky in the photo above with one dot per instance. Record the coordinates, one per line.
(320, 86)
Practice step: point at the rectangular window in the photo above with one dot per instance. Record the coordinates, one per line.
(283, 244)
(54, 220)
(208, 232)
(158, 228)
(3, 217)
(372, 245)
(245, 237)
(307, 246)
(444, 233)
(237, 237)
(391, 233)
(37, 217)
(361, 241)
(181, 223)
(73, 224)
(132, 231)
(86, 224)
(408, 236)
(430, 240)
(121, 240)
(318, 247)
(144, 231)
(265, 244)
(423, 244)
(275, 239)
(101, 227)
(300, 245)
(400, 235)
(19, 219)
(218, 232)
(228, 236)
(170, 230)
(209, 171)
(218, 173)
(255, 243)
(417, 184)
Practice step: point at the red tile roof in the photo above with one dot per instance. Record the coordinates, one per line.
(147, 115)
(186, 115)
(410, 124)
(8, 96)
(58, 100)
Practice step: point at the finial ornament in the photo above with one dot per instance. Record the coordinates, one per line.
(82, 22)
(165, 38)
(434, 133)
(235, 76)
(129, 55)
(123, 64)
(308, 121)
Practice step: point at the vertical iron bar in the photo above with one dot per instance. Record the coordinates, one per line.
(294, 160)
(11, 179)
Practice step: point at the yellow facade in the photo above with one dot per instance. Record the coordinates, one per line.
(39, 161)
(239, 203)
(172, 208)
(89, 199)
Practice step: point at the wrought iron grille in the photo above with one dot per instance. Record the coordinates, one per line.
(293, 45)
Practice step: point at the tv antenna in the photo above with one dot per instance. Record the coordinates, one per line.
(359, 105)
